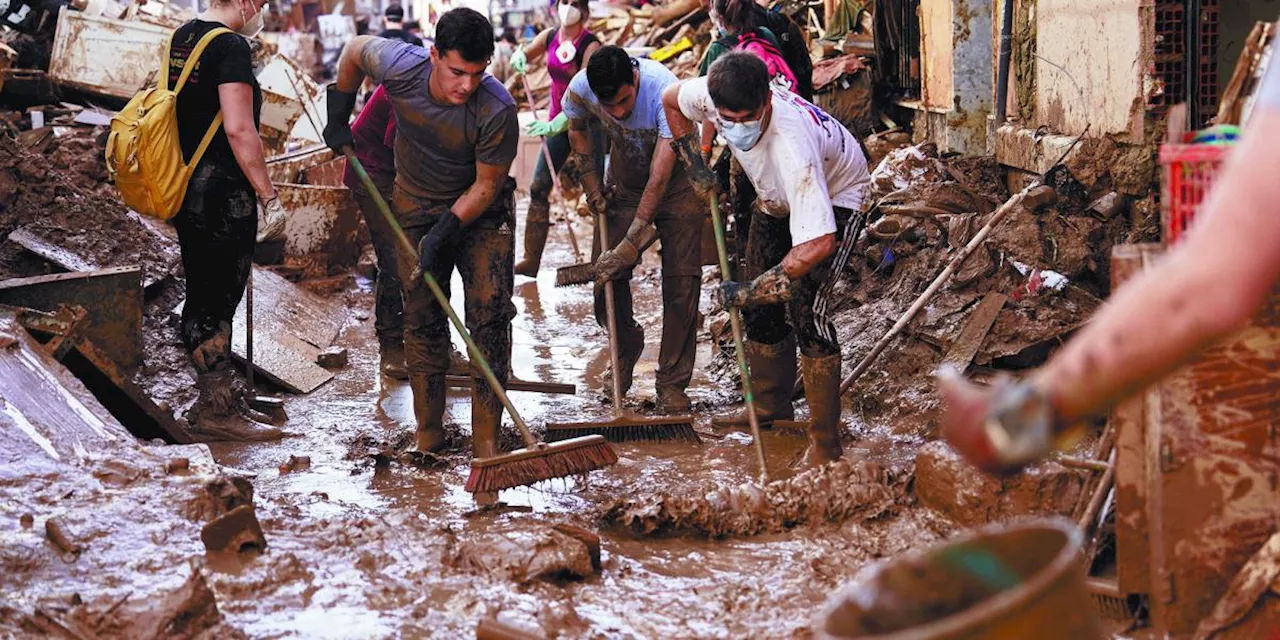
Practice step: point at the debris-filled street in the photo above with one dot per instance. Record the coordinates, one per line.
(434, 320)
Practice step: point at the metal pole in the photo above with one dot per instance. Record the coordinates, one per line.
(1006, 52)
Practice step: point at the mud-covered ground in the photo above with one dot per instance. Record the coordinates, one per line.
(370, 542)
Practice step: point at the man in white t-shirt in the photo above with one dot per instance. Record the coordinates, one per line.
(810, 178)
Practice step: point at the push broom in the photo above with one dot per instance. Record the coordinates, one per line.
(581, 272)
(623, 428)
(735, 321)
(536, 462)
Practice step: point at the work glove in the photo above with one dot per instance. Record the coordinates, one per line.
(429, 246)
(700, 175)
(519, 62)
(622, 257)
(548, 129)
(271, 220)
(999, 429)
(337, 130)
(769, 287)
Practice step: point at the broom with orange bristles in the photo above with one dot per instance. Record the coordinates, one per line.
(536, 462)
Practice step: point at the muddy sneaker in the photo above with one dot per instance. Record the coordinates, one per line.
(391, 361)
(209, 426)
(221, 412)
(673, 401)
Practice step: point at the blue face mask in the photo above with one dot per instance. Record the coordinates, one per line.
(741, 135)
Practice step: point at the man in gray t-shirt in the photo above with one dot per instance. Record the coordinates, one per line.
(456, 138)
(650, 199)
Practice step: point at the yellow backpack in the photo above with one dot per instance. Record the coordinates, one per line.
(144, 156)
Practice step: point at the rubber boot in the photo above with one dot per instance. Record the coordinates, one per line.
(391, 360)
(486, 416)
(428, 410)
(822, 390)
(216, 416)
(773, 379)
(536, 227)
(673, 401)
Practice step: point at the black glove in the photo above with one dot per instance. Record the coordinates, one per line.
(429, 245)
(700, 175)
(732, 293)
(770, 287)
(337, 131)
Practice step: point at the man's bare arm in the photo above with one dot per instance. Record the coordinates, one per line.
(804, 257)
(660, 167)
(476, 199)
(351, 71)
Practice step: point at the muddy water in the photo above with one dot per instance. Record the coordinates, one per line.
(365, 548)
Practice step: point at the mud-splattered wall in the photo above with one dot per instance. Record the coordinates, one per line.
(957, 94)
(1089, 67)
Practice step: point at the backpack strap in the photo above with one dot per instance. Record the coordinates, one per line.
(193, 58)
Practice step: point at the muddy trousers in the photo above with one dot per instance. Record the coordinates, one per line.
(388, 310)
(679, 224)
(768, 242)
(216, 226)
(538, 220)
(483, 255)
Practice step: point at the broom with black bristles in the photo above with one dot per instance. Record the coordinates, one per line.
(536, 462)
(581, 272)
(623, 427)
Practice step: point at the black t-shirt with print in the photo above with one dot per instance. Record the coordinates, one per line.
(226, 59)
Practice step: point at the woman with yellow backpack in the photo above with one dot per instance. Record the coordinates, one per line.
(210, 101)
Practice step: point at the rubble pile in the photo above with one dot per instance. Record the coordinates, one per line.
(834, 493)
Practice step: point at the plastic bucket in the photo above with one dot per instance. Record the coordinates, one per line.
(1012, 581)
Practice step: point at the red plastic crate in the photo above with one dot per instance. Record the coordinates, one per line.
(1189, 172)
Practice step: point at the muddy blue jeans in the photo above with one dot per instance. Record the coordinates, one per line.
(217, 225)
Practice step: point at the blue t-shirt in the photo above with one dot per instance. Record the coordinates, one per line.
(632, 139)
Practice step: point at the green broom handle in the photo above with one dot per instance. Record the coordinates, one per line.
(476, 356)
(735, 320)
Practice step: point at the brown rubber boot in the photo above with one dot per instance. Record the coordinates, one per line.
(536, 227)
(391, 360)
(773, 379)
(673, 401)
(216, 415)
(822, 390)
(428, 410)
(486, 416)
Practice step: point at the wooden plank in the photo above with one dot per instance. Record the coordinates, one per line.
(112, 298)
(975, 330)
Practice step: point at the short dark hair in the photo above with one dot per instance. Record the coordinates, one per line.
(467, 32)
(609, 70)
(394, 13)
(411, 25)
(737, 81)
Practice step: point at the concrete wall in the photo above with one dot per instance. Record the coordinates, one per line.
(1090, 70)
(957, 90)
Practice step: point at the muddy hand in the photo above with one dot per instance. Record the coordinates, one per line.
(998, 430)
(272, 220)
(770, 287)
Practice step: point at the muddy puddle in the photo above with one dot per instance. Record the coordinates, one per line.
(368, 543)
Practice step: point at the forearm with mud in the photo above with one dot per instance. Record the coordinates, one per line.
(580, 143)
(802, 258)
(1203, 291)
(660, 168)
(476, 199)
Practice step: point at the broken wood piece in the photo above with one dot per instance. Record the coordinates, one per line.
(1099, 495)
(332, 358)
(57, 534)
(1081, 463)
(1033, 196)
(975, 330)
(235, 531)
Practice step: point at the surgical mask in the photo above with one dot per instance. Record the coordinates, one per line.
(569, 15)
(741, 135)
(253, 26)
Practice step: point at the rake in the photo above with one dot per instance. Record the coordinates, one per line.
(623, 427)
(582, 272)
(536, 462)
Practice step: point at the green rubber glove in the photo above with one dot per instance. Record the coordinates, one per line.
(547, 129)
(519, 63)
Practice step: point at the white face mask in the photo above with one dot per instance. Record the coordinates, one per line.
(569, 15)
(566, 51)
(742, 135)
(253, 26)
